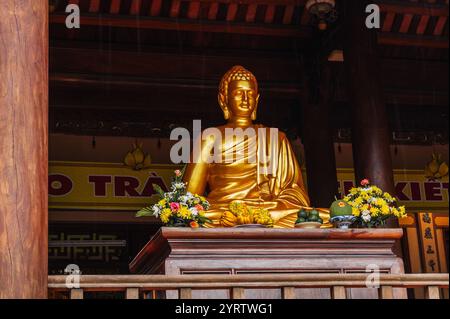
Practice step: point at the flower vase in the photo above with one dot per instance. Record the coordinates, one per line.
(343, 222)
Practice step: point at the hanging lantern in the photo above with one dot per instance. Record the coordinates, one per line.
(52, 5)
(323, 10)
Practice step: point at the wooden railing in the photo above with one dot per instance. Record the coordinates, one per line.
(135, 286)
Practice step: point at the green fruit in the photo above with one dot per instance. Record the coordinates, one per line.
(300, 220)
(314, 213)
(313, 218)
(303, 214)
(340, 208)
(320, 220)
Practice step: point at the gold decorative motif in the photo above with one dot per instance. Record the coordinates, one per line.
(136, 158)
(437, 168)
(427, 233)
(426, 218)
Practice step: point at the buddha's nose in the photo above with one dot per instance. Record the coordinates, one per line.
(245, 97)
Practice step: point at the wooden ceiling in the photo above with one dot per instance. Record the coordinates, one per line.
(408, 22)
(143, 58)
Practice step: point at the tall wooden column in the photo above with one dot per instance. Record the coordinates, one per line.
(317, 129)
(23, 148)
(370, 129)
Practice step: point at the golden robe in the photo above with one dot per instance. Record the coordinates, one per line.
(280, 190)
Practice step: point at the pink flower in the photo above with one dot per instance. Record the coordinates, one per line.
(365, 182)
(177, 173)
(174, 206)
(199, 207)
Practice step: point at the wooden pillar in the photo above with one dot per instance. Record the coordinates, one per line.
(317, 132)
(23, 148)
(370, 128)
(370, 123)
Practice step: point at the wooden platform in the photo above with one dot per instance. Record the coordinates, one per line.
(175, 251)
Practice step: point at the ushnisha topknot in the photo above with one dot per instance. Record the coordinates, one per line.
(236, 73)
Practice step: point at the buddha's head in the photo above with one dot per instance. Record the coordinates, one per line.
(238, 94)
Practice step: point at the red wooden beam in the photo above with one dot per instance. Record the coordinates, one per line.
(94, 6)
(288, 13)
(189, 25)
(440, 25)
(260, 2)
(155, 8)
(251, 13)
(212, 12)
(175, 9)
(412, 41)
(135, 7)
(423, 23)
(388, 22)
(415, 9)
(232, 10)
(306, 17)
(194, 10)
(270, 13)
(115, 7)
(406, 23)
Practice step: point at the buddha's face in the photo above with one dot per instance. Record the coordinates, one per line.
(242, 98)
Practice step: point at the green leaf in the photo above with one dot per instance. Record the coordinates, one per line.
(146, 211)
(158, 190)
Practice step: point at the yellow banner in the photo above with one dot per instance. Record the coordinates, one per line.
(110, 186)
(412, 189)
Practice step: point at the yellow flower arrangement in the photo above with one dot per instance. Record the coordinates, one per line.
(372, 206)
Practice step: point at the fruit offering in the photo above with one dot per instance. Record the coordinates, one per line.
(340, 208)
(311, 216)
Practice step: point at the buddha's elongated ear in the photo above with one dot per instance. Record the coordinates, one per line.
(254, 114)
(223, 106)
(256, 108)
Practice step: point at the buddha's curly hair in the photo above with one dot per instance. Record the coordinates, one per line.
(236, 73)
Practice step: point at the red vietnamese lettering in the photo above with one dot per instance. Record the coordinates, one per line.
(100, 184)
(153, 179)
(415, 191)
(126, 185)
(433, 191)
(59, 185)
(399, 191)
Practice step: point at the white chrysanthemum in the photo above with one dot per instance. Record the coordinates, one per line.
(168, 195)
(156, 210)
(194, 211)
(183, 199)
(365, 215)
(177, 186)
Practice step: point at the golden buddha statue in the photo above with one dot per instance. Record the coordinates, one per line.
(281, 190)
